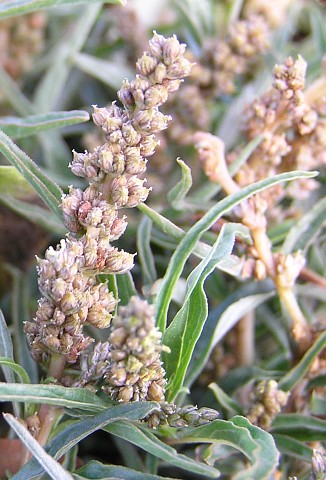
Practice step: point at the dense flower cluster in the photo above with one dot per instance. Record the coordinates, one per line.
(293, 131)
(267, 402)
(72, 297)
(21, 38)
(136, 372)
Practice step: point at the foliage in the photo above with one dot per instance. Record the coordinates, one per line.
(230, 242)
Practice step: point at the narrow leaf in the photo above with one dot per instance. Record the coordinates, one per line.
(80, 398)
(145, 255)
(6, 348)
(177, 194)
(97, 470)
(256, 444)
(53, 468)
(188, 243)
(49, 192)
(73, 434)
(227, 402)
(182, 334)
(292, 447)
(145, 439)
(295, 375)
(17, 127)
(126, 287)
(303, 233)
(220, 321)
(20, 371)
(33, 213)
(8, 8)
(12, 183)
(110, 73)
(300, 427)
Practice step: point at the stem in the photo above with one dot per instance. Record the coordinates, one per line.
(300, 328)
(57, 365)
(263, 247)
(246, 339)
(313, 277)
(48, 414)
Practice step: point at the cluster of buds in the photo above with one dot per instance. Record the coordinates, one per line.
(293, 131)
(268, 400)
(70, 300)
(180, 417)
(21, 38)
(90, 369)
(224, 60)
(72, 297)
(274, 14)
(136, 372)
(130, 130)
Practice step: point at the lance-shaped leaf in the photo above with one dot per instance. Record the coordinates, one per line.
(6, 348)
(256, 444)
(188, 243)
(8, 8)
(17, 127)
(49, 192)
(303, 233)
(73, 434)
(20, 371)
(177, 194)
(53, 468)
(301, 427)
(182, 334)
(144, 438)
(97, 470)
(80, 398)
(110, 73)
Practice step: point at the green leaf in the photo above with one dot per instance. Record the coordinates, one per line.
(145, 439)
(17, 127)
(80, 398)
(13, 94)
(6, 348)
(97, 470)
(49, 192)
(256, 444)
(303, 233)
(297, 372)
(226, 402)
(52, 84)
(110, 73)
(20, 308)
(13, 183)
(126, 288)
(188, 243)
(33, 213)
(20, 371)
(53, 468)
(221, 320)
(144, 252)
(182, 334)
(73, 434)
(178, 193)
(197, 17)
(8, 8)
(301, 427)
(318, 29)
(292, 447)
(234, 312)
